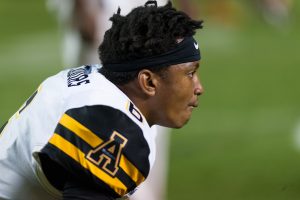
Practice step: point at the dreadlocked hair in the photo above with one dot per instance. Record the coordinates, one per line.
(145, 31)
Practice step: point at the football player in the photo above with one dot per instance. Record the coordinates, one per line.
(87, 132)
(84, 23)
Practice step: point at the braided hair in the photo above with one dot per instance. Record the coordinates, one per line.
(146, 31)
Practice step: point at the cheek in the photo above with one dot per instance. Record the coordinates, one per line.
(174, 101)
(183, 93)
(178, 99)
(174, 107)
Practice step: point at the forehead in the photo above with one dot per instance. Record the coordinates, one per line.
(180, 71)
(185, 66)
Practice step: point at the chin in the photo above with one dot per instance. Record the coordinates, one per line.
(183, 124)
(180, 123)
(175, 122)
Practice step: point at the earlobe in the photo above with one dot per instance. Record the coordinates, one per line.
(147, 81)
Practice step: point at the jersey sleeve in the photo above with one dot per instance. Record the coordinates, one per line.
(103, 146)
(78, 190)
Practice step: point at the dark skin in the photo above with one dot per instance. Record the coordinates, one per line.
(166, 100)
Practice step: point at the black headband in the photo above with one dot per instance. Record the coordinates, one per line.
(185, 51)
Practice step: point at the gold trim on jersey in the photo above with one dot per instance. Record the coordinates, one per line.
(94, 141)
(75, 153)
(131, 170)
(80, 130)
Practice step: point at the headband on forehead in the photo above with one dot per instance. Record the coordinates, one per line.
(185, 51)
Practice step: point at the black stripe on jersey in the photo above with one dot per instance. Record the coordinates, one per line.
(103, 120)
(28, 101)
(75, 169)
(131, 185)
(73, 138)
(2, 127)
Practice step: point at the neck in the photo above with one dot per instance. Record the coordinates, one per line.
(134, 93)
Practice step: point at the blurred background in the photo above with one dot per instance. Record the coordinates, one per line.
(243, 142)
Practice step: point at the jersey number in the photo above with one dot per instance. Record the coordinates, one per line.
(107, 155)
(134, 111)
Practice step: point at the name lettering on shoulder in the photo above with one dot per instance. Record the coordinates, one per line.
(79, 76)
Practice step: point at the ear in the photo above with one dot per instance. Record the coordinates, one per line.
(148, 82)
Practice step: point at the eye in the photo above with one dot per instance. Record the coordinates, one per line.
(191, 74)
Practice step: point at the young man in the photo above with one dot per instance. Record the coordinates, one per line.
(83, 24)
(87, 133)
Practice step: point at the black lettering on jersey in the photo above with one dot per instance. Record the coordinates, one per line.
(134, 111)
(107, 156)
(78, 76)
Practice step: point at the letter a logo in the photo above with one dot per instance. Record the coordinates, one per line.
(107, 155)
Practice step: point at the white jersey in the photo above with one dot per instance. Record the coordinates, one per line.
(86, 125)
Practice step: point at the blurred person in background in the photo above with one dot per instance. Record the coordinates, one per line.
(83, 23)
(275, 12)
(82, 29)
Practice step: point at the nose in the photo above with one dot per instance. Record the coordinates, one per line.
(198, 89)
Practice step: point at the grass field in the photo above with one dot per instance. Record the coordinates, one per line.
(240, 143)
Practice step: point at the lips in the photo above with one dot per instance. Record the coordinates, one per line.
(194, 104)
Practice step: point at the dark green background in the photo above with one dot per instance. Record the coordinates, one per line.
(240, 143)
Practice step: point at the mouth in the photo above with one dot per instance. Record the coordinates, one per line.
(194, 104)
